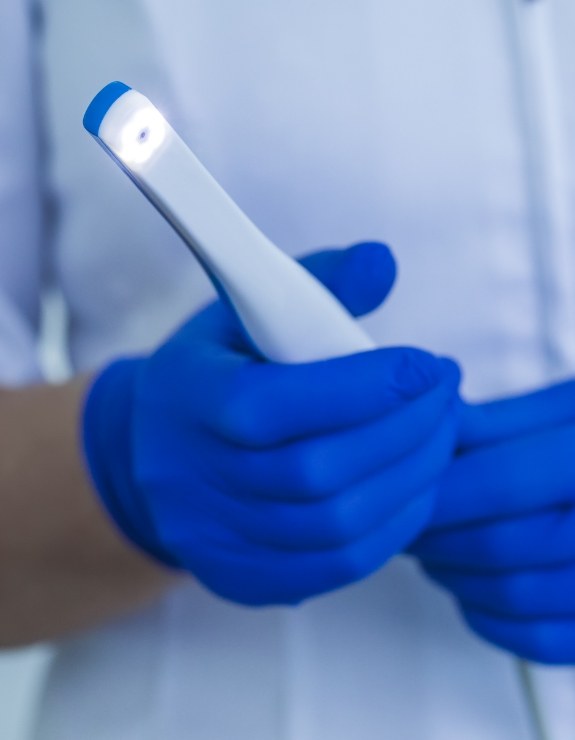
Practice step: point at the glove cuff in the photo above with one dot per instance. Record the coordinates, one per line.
(107, 443)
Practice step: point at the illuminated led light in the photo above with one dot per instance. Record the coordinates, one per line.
(142, 136)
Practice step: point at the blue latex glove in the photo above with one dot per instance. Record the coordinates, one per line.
(503, 535)
(273, 483)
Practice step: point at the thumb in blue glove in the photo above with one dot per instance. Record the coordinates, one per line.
(273, 483)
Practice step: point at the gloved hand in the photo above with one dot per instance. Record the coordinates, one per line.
(503, 535)
(273, 483)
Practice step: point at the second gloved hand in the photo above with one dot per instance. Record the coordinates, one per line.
(273, 483)
(502, 539)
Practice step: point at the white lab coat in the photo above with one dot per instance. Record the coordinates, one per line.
(447, 129)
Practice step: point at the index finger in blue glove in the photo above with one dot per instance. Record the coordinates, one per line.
(264, 404)
(537, 540)
(521, 476)
(499, 421)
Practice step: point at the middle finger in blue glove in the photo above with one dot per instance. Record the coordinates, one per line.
(346, 516)
(544, 593)
(321, 466)
(537, 540)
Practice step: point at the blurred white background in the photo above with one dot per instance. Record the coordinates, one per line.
(22, 671)
(21, 675)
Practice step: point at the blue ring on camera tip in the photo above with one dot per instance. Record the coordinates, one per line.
(101, 104)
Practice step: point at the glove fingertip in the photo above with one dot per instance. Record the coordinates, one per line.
(360, 276)
(371, 267)
(451, 371)
(416, 372)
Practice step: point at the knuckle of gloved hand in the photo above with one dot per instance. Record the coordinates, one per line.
(415, 372)
(543, 644)
(493, 548)
(339, 526)
(348, 565)
(243, 417)
(312, 470)
(515, 596)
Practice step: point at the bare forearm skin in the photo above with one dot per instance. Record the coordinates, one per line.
(63, 566)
